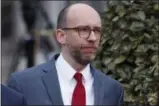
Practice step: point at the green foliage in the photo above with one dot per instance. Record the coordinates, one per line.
(130, 47)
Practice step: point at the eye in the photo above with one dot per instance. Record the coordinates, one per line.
(85, 29)
(97, 30)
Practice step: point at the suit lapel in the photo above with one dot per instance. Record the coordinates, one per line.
(51, 83)
(98, 87)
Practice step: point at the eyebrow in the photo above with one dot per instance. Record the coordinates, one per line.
(98, 27)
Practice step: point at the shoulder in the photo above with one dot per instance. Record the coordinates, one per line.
(31, 73)
(111, 86)
(108, 81)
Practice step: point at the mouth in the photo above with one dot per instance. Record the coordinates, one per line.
(89, 49)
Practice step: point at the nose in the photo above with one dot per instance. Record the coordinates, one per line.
(92, 37)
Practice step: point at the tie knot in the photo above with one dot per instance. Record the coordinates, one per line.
(78, 77)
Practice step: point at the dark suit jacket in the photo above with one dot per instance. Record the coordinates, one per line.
(10, 97)
(40, 86)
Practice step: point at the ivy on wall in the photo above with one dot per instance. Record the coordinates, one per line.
(129, 49)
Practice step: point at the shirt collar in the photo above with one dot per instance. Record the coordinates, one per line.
(68, 71)
(86, 73)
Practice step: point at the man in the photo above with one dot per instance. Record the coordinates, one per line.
(69, 79)
(10, 97)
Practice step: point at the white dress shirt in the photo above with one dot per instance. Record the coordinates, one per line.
(67, 82)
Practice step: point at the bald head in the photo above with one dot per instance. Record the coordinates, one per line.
(81, 7)
(81, 29)
(74, 13)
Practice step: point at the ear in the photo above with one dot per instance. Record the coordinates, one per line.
(60, 36)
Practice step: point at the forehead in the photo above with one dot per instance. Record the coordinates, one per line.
(83, 15)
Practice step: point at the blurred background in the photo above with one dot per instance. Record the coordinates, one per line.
(129, 46)
(26, 25)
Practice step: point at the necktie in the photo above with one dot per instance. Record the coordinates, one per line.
(79, 96)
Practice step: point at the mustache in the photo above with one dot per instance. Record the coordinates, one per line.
(89, 46)
(84, 46)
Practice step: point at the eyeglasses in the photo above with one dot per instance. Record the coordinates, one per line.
(85, 31)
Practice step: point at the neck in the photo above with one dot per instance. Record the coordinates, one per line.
(72, 61)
